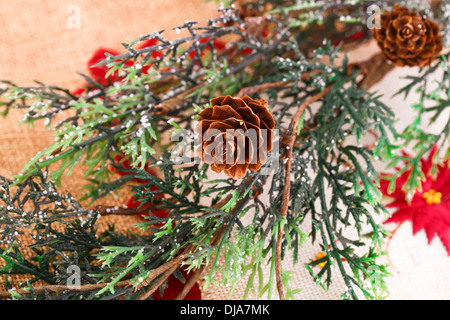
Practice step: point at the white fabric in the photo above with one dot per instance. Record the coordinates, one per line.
(419, 270)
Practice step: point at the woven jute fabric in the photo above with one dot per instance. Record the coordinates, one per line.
(38, 45)
(42, 41)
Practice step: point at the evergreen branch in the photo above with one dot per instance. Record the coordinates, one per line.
(59, 288)
(129, 119)
(288, 144)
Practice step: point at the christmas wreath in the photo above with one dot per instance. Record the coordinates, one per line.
(238, 141)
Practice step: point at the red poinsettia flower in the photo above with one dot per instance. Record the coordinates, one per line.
(429, 209)
(79, 91)
(150, 43)
(357, 36)
(132, 202)
(155, 54)
(175, 286)
(119, 160)
(218, 45)
(160, 213)
(98, 73)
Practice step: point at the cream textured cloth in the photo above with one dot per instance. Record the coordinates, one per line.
(38, 43)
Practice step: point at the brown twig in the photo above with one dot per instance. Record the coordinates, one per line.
(169, 267)
(193, 280)
(114, 210)
(249, 91)
(373, 70)
(149, 206)
(389, 242)
(172, 103)
(435, 4)
(160, 270)
(190, 283)
(288, 143)
(60, 288)
(158, 283)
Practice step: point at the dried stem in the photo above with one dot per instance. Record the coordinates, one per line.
(191, 282)
(60, 288)
(248, 91)
(389, 242)
(170, 268)
(288, 142)
(160, 270)
(373, 71)
(112, 210)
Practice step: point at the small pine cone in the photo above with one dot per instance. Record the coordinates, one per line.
(407, 38)
(236, 135)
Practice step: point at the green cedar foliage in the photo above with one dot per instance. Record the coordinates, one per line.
(334, 181)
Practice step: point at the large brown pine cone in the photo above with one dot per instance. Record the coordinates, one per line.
(407, 38)
(236, 135)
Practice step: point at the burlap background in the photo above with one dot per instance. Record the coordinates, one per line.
(37, 44)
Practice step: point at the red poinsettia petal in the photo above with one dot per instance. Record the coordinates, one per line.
(132, 203)
(155, 54)
(432, 229)
(398, 194)
(428, 163)
(119, 161)
(444, 236)
(246, 51)
(78, 92)
(219, 44)
(423, 218)
(400, 216)
(98, 73)
(147, 43)
(265, 33)
(356, 36)
(443, 183)
(439, 225)
(160, 213)
(175, 286)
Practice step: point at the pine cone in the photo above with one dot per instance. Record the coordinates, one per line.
(236, 135)
(407, 38)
